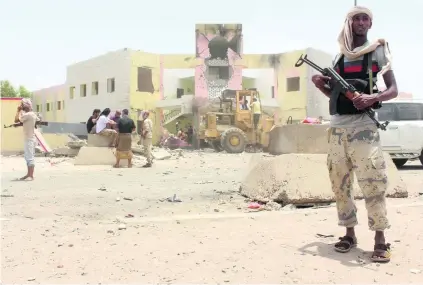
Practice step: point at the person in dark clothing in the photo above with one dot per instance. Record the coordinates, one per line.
(190, 133)
(92, 120)
(125, 127)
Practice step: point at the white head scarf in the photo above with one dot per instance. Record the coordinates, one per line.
(345, 39)
(26, 102)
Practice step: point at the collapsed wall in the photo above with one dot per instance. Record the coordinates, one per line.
(299, 175)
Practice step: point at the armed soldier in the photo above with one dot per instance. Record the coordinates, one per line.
(354, 142)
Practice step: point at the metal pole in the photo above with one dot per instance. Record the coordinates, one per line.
(355, 2)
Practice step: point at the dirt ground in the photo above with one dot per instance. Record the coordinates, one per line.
(104, 225)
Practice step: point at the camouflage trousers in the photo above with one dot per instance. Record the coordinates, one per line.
(358, 151)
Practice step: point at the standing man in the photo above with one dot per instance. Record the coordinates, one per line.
(27, 117)
(256, 109)
(354, 141)
(147, 135)
(125, 127)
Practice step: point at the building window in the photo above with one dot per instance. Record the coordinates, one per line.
(179, 92)
(110, 85)
(72, 92)
(59, 105)
(38, 108)
(292, 84)
(94, 88)
(83, 90)
(48, 107)
(145, 80)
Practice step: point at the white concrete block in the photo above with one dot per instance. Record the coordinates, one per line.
(91, 155)
(98, 141)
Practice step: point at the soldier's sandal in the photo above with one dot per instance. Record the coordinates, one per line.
(381, 253)
(345, 244)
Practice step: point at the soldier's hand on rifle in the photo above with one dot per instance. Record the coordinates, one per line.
(364, 100)
(320, 81)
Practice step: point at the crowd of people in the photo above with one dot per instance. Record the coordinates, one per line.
(119, 128)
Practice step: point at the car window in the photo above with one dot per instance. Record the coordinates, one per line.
(386, 113)
(410, 111)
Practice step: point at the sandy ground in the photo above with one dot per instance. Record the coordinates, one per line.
(64, 228)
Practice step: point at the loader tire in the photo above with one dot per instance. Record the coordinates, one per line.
(233, 140)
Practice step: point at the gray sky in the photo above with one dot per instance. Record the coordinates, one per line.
(41, 37)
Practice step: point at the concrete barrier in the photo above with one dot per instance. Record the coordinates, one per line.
(97, 156)
(302, 179)
(98, 140)
(299, 138)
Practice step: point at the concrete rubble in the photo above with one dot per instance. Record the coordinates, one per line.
(302, 179)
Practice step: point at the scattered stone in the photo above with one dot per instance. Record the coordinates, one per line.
(172, 199)
(117, 199)
(66, 151)
(102, 188)
(59, 266)
(216, 210)
(7, 196)
(203, 182)
(122, 227)
(415, 271)
(289, 207)
(110, 232)
(31, 279)
(76, 144)
(127, 199)
(273, 206)
(324, 236)
(160, 154)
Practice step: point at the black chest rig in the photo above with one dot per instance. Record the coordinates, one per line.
(357, 74)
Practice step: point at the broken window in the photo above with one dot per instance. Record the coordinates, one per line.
(179, 92)
(59, 105)
(219, 72)
(292, 84)
(145, 80)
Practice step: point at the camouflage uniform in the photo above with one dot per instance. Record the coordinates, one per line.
(358, 150)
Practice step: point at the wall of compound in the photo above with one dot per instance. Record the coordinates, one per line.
(100, 82)
(50, 103)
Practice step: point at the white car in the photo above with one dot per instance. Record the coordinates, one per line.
(403, 138)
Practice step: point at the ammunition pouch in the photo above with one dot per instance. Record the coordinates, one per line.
(339, 104)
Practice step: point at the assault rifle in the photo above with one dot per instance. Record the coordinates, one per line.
(349, 90)
(15, 125)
